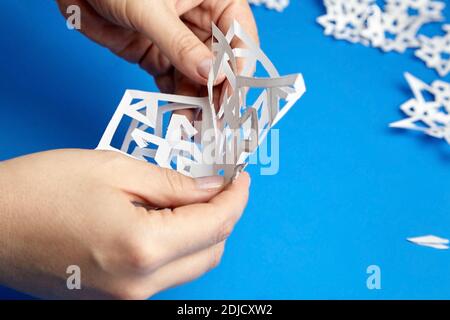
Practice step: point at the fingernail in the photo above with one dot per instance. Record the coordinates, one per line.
(204, 67)
(208, 183)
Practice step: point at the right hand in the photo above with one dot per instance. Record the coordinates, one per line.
(75, 207)
(170, 39)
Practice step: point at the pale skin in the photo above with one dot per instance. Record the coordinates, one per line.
(134, 229)
(170, 39)
(75, 207)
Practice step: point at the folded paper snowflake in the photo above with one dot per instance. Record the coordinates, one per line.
(393, 29)
(218, 139)
(435, 52)
(429, 110)
(278, 5)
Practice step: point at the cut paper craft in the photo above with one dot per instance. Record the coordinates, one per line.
(429, 110)
(430, 241)
(221, 138)
(393, 29)
(435, 52)
(345, 19)
(278, 5)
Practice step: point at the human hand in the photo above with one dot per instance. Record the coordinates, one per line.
(163, 36)
(78, 207)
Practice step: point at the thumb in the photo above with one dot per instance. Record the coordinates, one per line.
(183, 48)
(163, 188)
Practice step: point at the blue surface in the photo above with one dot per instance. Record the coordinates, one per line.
(349, 190)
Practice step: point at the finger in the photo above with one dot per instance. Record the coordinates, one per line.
(124, 42)
(160, 187)
(183, 48)
(165, 82)
(186, 87)
(195, 227)
(155, 62)
(184, 270)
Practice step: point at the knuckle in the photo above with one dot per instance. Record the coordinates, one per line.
(174, 180)
(139, 256)
(225, 228)
(216, 256)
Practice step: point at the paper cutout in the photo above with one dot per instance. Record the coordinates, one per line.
(345, 19)
(429, 110)
(278, 5)
(430, 241)
(394, 29)
(435, 52)
(222, 140)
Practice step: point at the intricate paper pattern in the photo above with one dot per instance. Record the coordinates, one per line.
(435, 52)
(429, 110)
(221, 141)
(278, 5)
(393, 29)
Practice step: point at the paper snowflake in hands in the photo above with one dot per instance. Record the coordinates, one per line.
(429, 110)
(221, 138)
(435, 52)
(278, 5)
(393, 29)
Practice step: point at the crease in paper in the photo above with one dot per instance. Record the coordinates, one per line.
(221, 138)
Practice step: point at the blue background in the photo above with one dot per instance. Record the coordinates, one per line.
(349, 190)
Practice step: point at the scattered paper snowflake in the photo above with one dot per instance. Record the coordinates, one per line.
(430, 241)
(435, 52)
(393, 29)
(278, 5)
(429, 110)
(345, 20)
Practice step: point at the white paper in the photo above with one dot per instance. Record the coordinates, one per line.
(435, 52)
(393, 27)
(429, 110)
(278, 5)
(430, 241)
(221, 141)
(345, 19)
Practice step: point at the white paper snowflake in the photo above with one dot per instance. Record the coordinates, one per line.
(345, 20)
(393, 29)
(278, 5)
(429, 110)
(222, 133)
(435, 52)
(430, 241)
